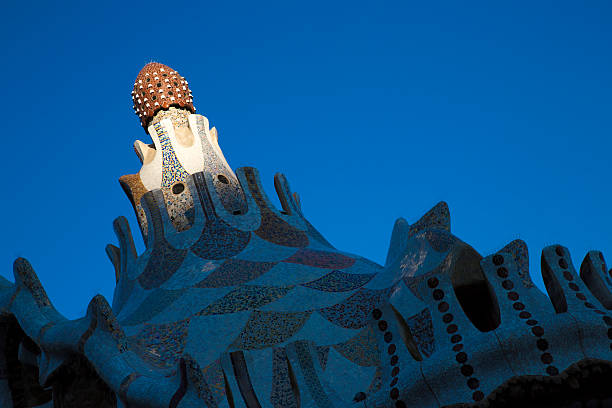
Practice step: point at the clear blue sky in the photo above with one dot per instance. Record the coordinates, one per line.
(372, 110)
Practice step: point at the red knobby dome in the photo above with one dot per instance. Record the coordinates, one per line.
(158, 87)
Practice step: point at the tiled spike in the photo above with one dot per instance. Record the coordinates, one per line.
(566, 289)
(520, 254)
(254, 188)
(273, 227)
(399, 239)
(134, 189)
(113, 254)
(123, 258)
(550, 275)
(594, 273)
(127, 249)
(284, 194)
(155, 223)
(106, 321)
(298, 201)
(144, 152)
(570, 295)
(25, 275)
(437, 217)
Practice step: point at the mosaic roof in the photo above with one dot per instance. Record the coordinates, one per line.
(237, 303)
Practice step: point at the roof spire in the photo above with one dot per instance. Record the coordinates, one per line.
(159, 87)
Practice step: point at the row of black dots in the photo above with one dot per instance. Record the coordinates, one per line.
(569, 277)
(452, 329)
(541, 343)
(393, 358)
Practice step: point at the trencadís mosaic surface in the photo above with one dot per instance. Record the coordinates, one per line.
(236, 303)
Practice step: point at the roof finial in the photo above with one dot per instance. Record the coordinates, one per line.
(159, 87)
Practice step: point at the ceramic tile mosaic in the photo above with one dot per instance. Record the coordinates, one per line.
(236, 303)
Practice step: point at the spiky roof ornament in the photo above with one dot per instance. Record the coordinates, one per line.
(237, 303)
(157, 87)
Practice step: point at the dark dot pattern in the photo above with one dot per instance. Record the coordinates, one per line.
(392, 348)
(456, 338)
(461, 357)
(546, 358)
(569, 277)
(473, 383)
(537, 331)
(438, 294)
(467, 370)
(542, 344)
